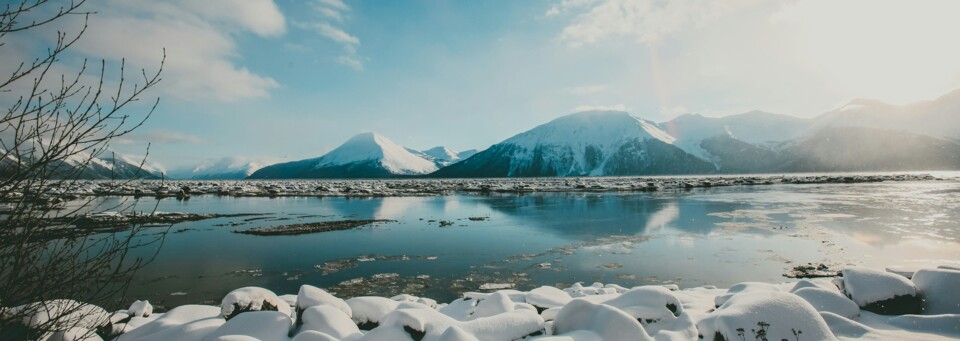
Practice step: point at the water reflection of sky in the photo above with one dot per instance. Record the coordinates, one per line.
(715, 236)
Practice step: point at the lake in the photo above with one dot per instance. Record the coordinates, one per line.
(708, 236)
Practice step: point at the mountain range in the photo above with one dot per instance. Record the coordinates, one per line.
(862, 135)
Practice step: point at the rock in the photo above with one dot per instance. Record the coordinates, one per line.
(770, 314)
(940, 290)
(251, 299)
(880, 292)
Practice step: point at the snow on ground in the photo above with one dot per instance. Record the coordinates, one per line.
(805, 310)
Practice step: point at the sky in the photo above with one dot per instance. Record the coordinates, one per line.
(283, 80)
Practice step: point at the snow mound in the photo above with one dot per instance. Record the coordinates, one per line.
(431, 325)
(945, 324)
(940, 289)
(844, 327)
(140, 309)
(879, 291)
(310, 296)
(776, 315)
(258, 325)
(182, 323)
(829, 301)
(329, 320)
(312, 335)
(59, 315)
(745, 287)
(251, 299)
(547, 297)
(374, 147)
(584, 319)
(370, 309)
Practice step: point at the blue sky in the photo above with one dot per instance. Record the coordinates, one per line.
(285, 80)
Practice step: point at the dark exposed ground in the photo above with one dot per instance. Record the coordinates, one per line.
(315, 227)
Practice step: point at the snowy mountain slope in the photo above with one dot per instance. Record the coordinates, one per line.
(227, 168)
(939, 118)
(81, 165)
(762, 129)
(366, 155)
(586, 143)
(442, 153)
(466, 153)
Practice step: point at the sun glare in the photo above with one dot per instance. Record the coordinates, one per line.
(896, 51)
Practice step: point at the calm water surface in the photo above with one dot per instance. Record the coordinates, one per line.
(718, 236)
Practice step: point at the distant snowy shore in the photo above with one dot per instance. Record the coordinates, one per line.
(864, 303)
(422, 187)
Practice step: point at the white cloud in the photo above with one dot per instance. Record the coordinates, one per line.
(617, 107)
(645, 21)
(336, 4)
(199, 38)
(333, 9)
(330, 32)
(351, 61)
(330, 13)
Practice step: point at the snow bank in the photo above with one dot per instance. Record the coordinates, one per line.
(945, 324)
(188, 322)
(59, 315)
(251, 299)
(140, 309)
(258, 325)
(940, 289)
(583, 318)
(547, 297)
(329, 320)
(370, 309)
(745, 287)
(880, 291)
(829, 301)
(775, 315)
(310, 296)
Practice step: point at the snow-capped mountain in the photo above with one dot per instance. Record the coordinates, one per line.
(443, 156)
(366, 155)
(227, 168)
(466, 154)
(936, 118)
(586, 143)
(82, 165)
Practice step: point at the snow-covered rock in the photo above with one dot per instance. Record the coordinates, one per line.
(140, 309)
(329, 320)
(312, 335)
(745, 287)
(940, 290)
(547, 297)
(880, 291)
(775, 315)
(258, 325)
(59, 315)
(829, 301)
(585, 319)
(252, 299)
(310, 296)
(370, 309)
(186, 323)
